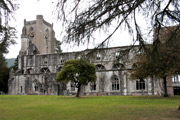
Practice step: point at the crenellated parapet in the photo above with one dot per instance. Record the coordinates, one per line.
(40, 33)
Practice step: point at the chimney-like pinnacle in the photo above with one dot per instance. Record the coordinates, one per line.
(39, 17)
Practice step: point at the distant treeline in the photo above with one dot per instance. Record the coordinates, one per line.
(10, 62)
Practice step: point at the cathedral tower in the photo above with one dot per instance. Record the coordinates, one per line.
(38, 37)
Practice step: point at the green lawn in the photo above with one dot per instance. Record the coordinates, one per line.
(88, 108)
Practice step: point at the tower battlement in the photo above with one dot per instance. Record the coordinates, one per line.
(40, 33)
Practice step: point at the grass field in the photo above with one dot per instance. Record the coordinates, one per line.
(88, 108)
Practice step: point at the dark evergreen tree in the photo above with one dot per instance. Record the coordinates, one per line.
(4, 75)
(7, 38)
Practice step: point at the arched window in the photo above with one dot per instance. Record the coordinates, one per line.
(35, 85)
(176, 79)
(93, 86)
(46, 33)
(44, 70)
(117, 54)
(98, 56)
(36, 88)
(45, 59)
(31, 32)
(29, 71)
(140, 84)
(118, 66)
(115, 83)
(100, 67)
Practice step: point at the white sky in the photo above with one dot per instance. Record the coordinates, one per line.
(28, 10)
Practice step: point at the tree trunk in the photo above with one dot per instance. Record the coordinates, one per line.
(178, 108)
(152, 84)
(79, 89)
(165, 87)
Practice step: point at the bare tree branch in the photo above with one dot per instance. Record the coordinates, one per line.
(100, 14)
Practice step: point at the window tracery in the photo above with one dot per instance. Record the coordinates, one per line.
(140, 84)
(100, 67)
(118, 66)
(44, 70)
(176, 79)
(115, 83)
(98, 56)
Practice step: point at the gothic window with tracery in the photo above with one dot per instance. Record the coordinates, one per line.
(35, 85)
(44, 70)
(29, 71)
(115, 83)
(176, 79)
(118, 66)
(117, 54)
(140, 84)
(98, 56)
(100, 67)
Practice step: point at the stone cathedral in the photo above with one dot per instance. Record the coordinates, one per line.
(38, 64)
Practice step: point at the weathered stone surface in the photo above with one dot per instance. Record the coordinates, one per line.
(38, 64)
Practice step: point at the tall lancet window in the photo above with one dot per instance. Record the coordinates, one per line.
(46, 37)
(47, 34)
(115, 83)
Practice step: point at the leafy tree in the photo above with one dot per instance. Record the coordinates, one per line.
(160, 64)
(7, 37)
(7, 33)
(77, 71)
(84, 17)
(4, 75)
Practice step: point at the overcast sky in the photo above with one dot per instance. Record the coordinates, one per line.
(28, 10)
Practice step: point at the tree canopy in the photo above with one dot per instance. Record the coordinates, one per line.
(84, 17)
(7, 33)
(160, 64)
(80, 72)
(4, 76)
(7, 38)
